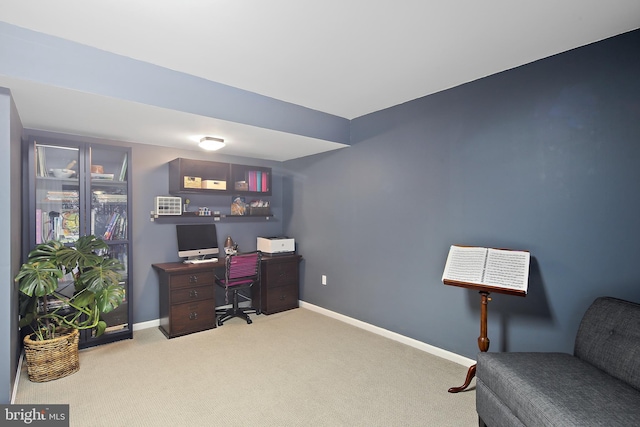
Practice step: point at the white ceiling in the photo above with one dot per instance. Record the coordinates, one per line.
(343, 57)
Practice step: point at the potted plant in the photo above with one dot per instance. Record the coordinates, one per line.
(56, 318)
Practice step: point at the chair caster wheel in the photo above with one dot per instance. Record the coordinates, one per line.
(249, 321)
(219, 323)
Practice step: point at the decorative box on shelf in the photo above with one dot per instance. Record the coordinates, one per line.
(192, 182)
(242, 186)
(259, 207)
(259, 210)
(210, 184)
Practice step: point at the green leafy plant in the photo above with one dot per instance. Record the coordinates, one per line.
(96, 281)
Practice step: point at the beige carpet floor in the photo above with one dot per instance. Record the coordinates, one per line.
(295, 368)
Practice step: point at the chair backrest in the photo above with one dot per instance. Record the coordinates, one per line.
(243, 267)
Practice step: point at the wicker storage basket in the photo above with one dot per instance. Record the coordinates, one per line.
(52, 359)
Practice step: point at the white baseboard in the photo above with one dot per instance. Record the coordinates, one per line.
(436, 351)
(14, 392)
(146, 325)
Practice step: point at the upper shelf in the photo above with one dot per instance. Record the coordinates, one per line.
(187, 176)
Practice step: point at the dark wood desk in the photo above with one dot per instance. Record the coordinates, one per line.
(187, 297)
(187, 292)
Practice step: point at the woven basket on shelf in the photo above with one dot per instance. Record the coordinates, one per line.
(52, 359)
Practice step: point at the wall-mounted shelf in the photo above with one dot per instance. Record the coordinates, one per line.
(188, 176)
(196, 219)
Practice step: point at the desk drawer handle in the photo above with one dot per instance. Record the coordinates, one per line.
(193, 315)
(193, 279)
(193, 293)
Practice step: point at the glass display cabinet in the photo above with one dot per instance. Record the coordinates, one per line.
(74, 189)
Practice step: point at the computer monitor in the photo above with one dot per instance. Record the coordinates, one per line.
(196, 241)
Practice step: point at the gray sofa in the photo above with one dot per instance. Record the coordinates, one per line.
(599, 385)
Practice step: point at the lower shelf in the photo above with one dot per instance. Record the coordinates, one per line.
(195, 219)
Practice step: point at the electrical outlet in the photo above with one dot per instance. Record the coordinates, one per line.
(324, 279)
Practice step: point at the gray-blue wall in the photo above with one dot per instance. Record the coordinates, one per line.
(10, 248)
(543, 158)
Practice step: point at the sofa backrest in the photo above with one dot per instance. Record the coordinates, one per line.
(609, 338)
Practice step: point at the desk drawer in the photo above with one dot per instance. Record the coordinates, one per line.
(281, 298)
(280, 273)
(192, 317)
(194, 293)
(192, 279)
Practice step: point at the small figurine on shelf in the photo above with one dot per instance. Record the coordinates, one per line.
(185, 208)
(238, 206)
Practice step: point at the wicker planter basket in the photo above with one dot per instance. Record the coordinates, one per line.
(52, 359)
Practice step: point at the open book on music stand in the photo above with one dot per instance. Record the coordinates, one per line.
(486, 270)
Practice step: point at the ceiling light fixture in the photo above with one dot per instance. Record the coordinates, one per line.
(210, 143)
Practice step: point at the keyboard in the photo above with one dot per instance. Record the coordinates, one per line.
(200, 261)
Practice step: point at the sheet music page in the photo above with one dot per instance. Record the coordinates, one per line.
(507, 269)
(465, 264)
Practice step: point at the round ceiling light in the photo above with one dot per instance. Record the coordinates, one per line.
(211, 144)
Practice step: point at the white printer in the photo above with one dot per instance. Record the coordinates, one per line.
(277, 245)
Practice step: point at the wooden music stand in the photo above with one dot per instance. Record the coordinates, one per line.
(483, 339)
(484, 290)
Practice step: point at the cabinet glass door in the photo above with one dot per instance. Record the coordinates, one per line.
(109, 218)
(57, 194)
(118, 319)
(109, 194)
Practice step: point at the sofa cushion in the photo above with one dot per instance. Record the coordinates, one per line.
(609, 338)
(493, 411)
(558, 389)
